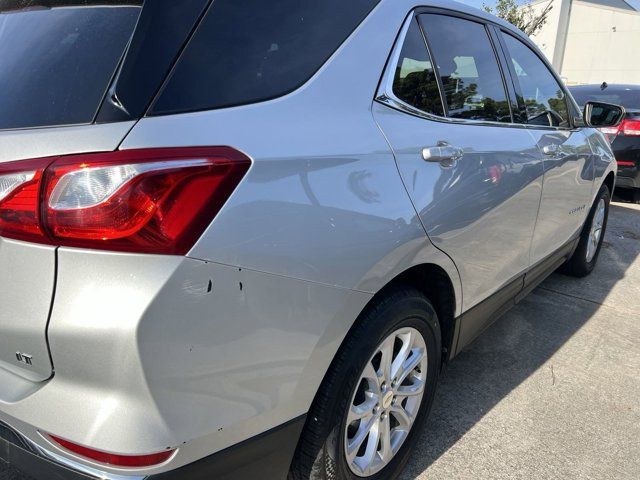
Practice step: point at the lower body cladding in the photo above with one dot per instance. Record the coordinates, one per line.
(153, 353)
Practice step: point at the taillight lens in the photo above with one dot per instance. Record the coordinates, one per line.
(19, 199)
(106, 458)
(148, 201)
(630, 128)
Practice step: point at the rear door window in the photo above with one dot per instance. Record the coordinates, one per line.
(544, 98)
(468, 68)
(58, 58)
(415, 81)
(251, 50)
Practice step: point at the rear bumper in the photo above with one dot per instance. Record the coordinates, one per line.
(628, 176)
(627, 182)
(627, 153)
(25, 457)
(266, 456)
(159, 352)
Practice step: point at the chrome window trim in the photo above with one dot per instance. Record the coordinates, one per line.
(386, 96)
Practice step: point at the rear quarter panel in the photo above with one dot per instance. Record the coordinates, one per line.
(323, 201)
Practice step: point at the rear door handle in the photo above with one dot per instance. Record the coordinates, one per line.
(554, 151)
(551, 150)
(444, 153)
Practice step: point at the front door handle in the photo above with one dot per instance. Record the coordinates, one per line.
(442, 153)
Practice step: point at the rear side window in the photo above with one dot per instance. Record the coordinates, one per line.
(468, 67)
(544, 98)
(252, 50)
(57, 62)
(415, 82)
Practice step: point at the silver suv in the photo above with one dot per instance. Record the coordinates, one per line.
(240, 239)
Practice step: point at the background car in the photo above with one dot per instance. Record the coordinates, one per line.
(625, 139)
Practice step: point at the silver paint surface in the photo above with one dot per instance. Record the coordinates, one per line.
(481, 210)
(27, 278)
(568, 185)
(148, 356)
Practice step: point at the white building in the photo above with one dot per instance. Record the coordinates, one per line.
(592, 41)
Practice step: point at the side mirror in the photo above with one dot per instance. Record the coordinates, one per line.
(600, 115)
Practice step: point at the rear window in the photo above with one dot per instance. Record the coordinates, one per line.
(628, 97)
(57, 58)
(252, 50)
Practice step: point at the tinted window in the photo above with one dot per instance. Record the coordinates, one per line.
(162, 30)
(56, 63)
(254, 50)
(467, 64)
(415, 81)
(544, 98)
(628, 97)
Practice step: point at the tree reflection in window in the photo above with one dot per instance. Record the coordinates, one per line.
(415, 82)
(468, 67)
(544, 99)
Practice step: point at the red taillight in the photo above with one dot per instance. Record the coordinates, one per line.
(126, 461)
(19, 199)
(630, 128)
(150, 201)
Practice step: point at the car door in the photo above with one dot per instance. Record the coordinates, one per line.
(474, 176)
(565, 151)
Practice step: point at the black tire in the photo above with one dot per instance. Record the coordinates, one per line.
(577, 265)
(635, 195)
(320, 453)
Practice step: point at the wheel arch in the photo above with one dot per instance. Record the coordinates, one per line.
(609, 181)
(437, 286)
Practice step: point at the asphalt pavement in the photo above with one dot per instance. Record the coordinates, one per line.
(552, 389)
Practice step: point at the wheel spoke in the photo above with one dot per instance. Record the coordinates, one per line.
(416, 388)
(402, 355)
(385, 440)
(386, 360)
(372, 377)
(364, 410)
(366, 428)
(597, 234)
(402, 416)
(366, 461)
(410, 364)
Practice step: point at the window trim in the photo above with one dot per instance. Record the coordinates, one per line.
(386, 96)
(385, 93)
(572, 108)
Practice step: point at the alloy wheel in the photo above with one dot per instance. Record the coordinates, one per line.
(595, 234)
(386, 402)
